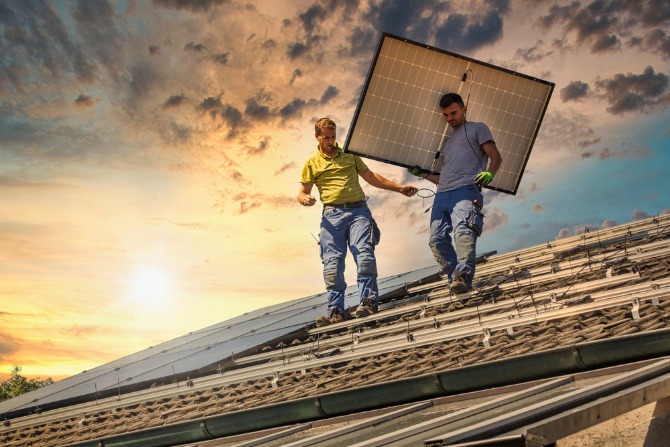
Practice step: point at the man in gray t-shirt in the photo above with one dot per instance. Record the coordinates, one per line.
(457, 209)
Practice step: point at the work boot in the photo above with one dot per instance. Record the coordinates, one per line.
(458, 286)
(325, 321)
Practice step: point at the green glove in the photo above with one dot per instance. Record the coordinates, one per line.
(416, 170)
(483, 178)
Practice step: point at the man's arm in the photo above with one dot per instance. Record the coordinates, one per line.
(379, 181)
(304, 195)
(495, 159)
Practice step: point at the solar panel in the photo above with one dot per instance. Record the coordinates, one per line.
(398, 119)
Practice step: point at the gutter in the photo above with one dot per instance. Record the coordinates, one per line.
(571, 359)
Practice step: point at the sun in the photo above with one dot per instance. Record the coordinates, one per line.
(151, 285)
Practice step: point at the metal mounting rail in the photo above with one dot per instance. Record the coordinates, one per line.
(653, 379)
(496, 322)
(529, 256)
(288, 354)
(563, 268)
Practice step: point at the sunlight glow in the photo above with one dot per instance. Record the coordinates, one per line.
(151, 285)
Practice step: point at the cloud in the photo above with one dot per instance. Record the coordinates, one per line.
(220, 58)
(495, 217)
(537, 208)
(463, 33)
(330, 93)
(263, 146)
(33, 35)
(285, 167)
(189, 5)
(637, 153)
(194, 47)
(256, 111)
(533, 54)
(558, 124)
(8, 345)
(84, 101)
(154, 50)
(176, 134)
(174, 101)
(575, 91)
(604, 24)
(634, 93)
(639, 215)
(656, 41)
(314, 14)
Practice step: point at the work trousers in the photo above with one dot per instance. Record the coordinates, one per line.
(456, 221)
(356, 229)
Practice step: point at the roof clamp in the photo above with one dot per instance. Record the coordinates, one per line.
(423, 312)
(636, 308)
(436, 323)
(355, 339)
(275, 380)
(487, 336)
(410, 336)
(609, 273)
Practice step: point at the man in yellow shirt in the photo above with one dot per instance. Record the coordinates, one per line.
(346, 220)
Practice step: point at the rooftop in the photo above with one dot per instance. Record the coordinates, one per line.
(573, 326)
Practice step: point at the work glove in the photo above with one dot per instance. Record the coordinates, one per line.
(417, 171)
(483, 178)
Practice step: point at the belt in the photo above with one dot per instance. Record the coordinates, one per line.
(346, 206)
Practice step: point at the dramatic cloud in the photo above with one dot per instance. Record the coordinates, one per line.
(574, 91)
(634, 93)
(656, 41)
(461, 33)
(255, 111)
(31, 34)
(602, 24)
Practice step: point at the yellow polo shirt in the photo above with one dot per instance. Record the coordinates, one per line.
(336, 178)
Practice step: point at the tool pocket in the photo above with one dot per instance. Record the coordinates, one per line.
(476, 217)
(375, 233)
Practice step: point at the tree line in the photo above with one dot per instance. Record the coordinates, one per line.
(17, 384)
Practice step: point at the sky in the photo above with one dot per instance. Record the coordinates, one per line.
(150, 152)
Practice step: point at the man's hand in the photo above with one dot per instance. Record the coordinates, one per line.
(408, 190)
(483, 178)
(307, 200)
(417, 171)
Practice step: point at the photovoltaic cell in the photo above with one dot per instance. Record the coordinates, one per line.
(398, 119)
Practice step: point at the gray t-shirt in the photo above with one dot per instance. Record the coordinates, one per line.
(463, 156)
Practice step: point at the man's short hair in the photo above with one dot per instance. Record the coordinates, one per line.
(324, 123)
(449, 98)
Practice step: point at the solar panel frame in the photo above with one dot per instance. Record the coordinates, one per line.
(398, 120)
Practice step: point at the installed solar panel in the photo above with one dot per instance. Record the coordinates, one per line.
(398, 119)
